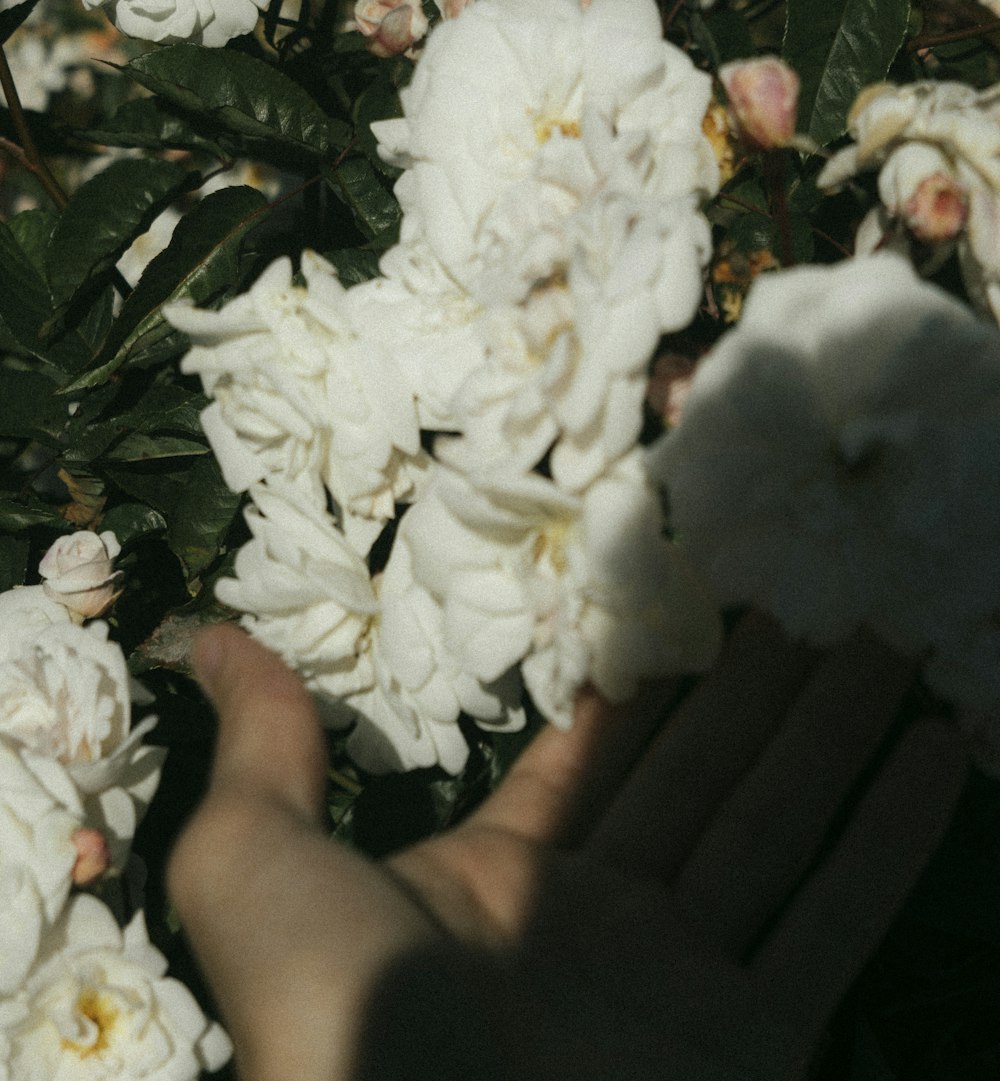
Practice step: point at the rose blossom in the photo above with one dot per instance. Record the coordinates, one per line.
(763, 95)
(99, 1004)
(391, 26)
(204, 22)
(937, 146)
(556, 104)
(78, 571)
(830, 469)
(24, 611)
(302, 396)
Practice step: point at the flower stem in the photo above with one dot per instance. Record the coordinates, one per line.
(927, 41)
(774, 181)
(29, 155)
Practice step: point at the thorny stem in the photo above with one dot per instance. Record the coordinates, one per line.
(28, 156)
(928, 41)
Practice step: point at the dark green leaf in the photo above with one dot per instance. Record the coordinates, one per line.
(32, 230)
(13, 562)
(153, 125)
(838, 47)
(158, 488)
(378, 101)
(353, 265)
(140, 447)
(729, 34)
(104, 216)
(200, 262)
(25, 306)
(241, 94)
(201, 517)
(16, 514)
(31, 408)
(374, 207)
(129, 521)
(12, 18)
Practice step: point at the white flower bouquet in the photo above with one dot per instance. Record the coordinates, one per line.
(471, 354)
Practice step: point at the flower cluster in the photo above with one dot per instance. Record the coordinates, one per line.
(937, 145)
(489, 383)
(76, 994)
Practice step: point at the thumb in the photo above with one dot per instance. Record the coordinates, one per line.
(270, 743)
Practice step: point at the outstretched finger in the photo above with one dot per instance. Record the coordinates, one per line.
(270, 743)
(839, 916)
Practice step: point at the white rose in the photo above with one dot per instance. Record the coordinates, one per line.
(831, 470)
(65, 696)
(99, 1004)
(24, 611)
(569, 366)
(301, 397)
(204, 22)
(576, 588)
(937, 145)
(78, 571)
(518, 112)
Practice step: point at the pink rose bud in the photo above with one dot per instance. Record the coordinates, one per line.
(763, 97)
(93, 857)
(938, 210)
(391, 26)
(78, 572)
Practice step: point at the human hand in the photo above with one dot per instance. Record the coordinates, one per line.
(637, 900)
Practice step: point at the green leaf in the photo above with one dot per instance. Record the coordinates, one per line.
(241, 94)
(104, 216)
(200, 262)
(12, 18)
(151, 124)
(838, 47)
(31, 408)
(201, 516)
(13, 562)
(726, 35)
(353, 265)
(16, 514)
(374, 207)
(130, 521)
(25, 306)
(32, 230)
(140, 447)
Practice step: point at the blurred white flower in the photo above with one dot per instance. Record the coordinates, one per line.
(100, 1005)
(937, 145)
(204, 22)
(24, 611)
(518, 112)
(838, 459)
(78, 572)
(147, 246)
(65, 696)
(40, 814)
(576, 588)
(391, 26)
(301, 396)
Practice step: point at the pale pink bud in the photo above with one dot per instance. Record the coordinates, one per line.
(764, 97)
(391, 26)
(93, 856)
(78, 572)
(938, 210)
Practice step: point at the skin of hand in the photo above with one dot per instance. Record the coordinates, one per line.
(643, 897)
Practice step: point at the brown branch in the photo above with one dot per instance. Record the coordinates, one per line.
(30, 156)
(928, 41)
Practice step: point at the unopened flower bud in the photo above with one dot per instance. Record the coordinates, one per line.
(451, 9)
(391, 26)
(938, 210)
(93, 856)
(78, 572)
(763, 96)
